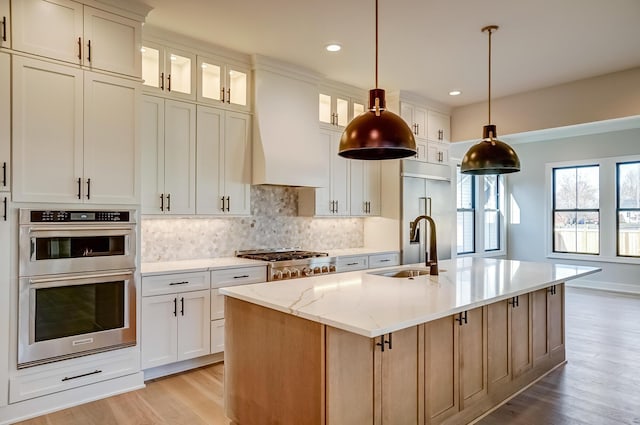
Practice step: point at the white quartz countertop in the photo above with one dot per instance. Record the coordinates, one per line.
(163, 267)
(351, 252)
(372, 305)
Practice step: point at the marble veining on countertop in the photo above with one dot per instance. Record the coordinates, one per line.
(203, 264)
(372, 305)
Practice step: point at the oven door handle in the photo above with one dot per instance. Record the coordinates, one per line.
(91, 229)
(82, 276)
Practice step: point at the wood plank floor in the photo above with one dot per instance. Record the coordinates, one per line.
(600, 384)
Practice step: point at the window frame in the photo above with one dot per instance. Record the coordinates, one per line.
(498, 212)
(472, 210)
(619, 209)
(608, 215)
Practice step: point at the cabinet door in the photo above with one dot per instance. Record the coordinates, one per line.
(372, 176)
(210, 134)
(217, 336)
(194, 324)
(217, 305)
(5, 284)
(111, 150)
(211, 84)
(152, 161)
(33, 27)
(180, 74)
(237, 162)
(438, 126)
(441, 368)
(323, 194)
(238, 86)
(358, 199)
(152, 67)
(521, 335)
(539, 326)
(416, 119)
(437, 153)
(5, 121)
(112, 42)
(498, 356)
(556, 322)
(159, 330)
(5, 24)
(179, 157)
(339, 177)
(473, 357)
(47, 131)
(399, 383)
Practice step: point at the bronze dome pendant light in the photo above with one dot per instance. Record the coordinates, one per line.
(377, 133)
(490, 155)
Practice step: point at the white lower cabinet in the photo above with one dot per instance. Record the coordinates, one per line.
(217, 336)
(5, 284)
(175, 325)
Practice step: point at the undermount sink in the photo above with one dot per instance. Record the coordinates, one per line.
(402, 273)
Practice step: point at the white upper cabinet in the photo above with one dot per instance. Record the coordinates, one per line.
(5, 24)
(5, 122)
(168, 71)
(223, 162)
(416, 118)
(223, 84)
(168, 156)
(365, 187)
(84, 146)
(438, 127)
(83, 35)
(337, 109)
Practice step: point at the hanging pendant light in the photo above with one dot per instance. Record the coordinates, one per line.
(377, 133)
(490, 155)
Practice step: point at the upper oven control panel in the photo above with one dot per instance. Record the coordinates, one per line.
(48, 216)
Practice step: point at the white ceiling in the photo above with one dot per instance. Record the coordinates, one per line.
(426, 46)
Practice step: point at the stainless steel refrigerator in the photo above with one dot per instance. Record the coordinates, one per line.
(427, 189)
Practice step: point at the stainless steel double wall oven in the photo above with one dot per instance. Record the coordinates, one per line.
(77, 290)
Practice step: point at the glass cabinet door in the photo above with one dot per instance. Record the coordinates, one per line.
(358, 108)
(210, 77)
(180, 73)
(152, 65)
(221, 83)
(237, 86)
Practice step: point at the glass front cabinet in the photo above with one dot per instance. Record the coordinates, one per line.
(168, 71)
(221, 83)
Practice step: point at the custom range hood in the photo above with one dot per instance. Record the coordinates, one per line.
(286, 148)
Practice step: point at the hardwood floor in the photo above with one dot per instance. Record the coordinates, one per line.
(600, 384)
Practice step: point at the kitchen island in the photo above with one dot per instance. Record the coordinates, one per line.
(366, 348)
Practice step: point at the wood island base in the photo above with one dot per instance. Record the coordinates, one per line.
(282, 369)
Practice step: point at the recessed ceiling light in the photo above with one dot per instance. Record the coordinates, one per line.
(333, 47)
(455, 92)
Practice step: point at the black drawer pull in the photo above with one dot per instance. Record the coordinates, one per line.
(244, 276)
(69, 378)
(178, 283)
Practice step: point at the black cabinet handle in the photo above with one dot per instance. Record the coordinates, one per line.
(168, 202)
(381, 343)
(178, 283)
(69, 378)
(175, 307)
(80, 48)
(228, 204)
(162, 81)
(5, 208)
(4, 174)
(89, 51)
(168, 82)
(244, 276)
(462, 318)
(182, 306)
(388, 342)
(222, 95)
(228, 95)
(552, 290)
(4, 28)
(162, 202)
(222, 201)
(88, 188)
(79, 187)
(515, 301)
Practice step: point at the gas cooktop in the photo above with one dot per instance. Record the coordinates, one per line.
(291, 263)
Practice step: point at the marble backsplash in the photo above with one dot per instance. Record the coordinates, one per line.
(273, 223)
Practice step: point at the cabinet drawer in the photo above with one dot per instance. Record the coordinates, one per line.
(384, 260)
(52, 378)
(348, 264)
(217, 336)
(175, 282)
(239, 276)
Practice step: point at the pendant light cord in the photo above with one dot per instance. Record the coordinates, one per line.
(490, 31)
(376, 44)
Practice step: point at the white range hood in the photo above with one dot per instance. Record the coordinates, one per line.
(286, 145)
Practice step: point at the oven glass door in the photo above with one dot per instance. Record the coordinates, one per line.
(64, 316)
(47, 250)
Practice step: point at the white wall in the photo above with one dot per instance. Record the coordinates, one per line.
(526, 238)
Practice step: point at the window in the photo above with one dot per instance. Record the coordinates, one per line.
(491, 213)
(628, 209)
(576, 213)
(486, 229)
(466, 213)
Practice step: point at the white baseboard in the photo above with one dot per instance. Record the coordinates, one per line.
(625, 288)
(38, 406)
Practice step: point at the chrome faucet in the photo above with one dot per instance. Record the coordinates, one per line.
(432, 262)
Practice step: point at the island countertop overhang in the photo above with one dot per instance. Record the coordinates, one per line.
(372, 305)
